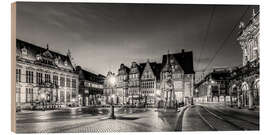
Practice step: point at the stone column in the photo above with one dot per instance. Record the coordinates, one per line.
(238, 100)
(170, 101)
(231, 103)
(58, 96)
(250, 103)
(166, 102)
(225, 100)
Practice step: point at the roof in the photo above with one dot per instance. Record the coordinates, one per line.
(125, 68)
(185, 59)
(33, 50)
(156, 68)
(221, 75)
(89, 76)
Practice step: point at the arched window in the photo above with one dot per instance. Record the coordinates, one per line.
(244, 86)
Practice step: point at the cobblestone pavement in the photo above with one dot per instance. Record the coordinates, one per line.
(201, 117)
(139, 120)
(217, 117)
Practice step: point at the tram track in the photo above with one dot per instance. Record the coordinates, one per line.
(245, 124)
(215, 122)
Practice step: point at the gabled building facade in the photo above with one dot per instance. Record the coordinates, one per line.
(155, 83)
(134, 88)
(109, 88)
(177, 78)
(44, 77)
(149, 79)
(122, 85)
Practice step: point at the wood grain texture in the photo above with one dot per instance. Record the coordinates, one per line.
(13, 67)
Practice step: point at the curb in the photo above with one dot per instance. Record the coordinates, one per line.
(178, 126)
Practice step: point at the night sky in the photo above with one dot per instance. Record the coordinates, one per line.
(102, 36)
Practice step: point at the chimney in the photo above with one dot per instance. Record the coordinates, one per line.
(183, 50)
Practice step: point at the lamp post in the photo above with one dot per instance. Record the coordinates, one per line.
(112, 81)
(197, 94)
(43, 96)
(80, 100)
(212, 84)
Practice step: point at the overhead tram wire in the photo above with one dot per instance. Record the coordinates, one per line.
(206, 35)
(223, 43)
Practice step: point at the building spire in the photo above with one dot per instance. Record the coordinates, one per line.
(168, 59)
(69, 53)
(167, 67)
(47, 46)
(241, 25)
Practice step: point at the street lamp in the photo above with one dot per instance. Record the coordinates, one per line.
(112, 81)
(197, 94)
(43, 96)
(79, 98)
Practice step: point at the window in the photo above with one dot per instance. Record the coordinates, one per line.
(18, 75)
(164, 76)
(73, 83)
(24, 51)
(29, 95)
(74, 94)
(62, 81)
(68, 96)
(18, 95)
(55, 80)
(47, 78)
(62, 96)
(29, 76)
(39, 78)
(68, 82)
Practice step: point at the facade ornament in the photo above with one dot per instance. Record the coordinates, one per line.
(241, 25)
(253, 12)
(69, 53)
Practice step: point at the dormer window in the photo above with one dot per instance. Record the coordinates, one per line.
(65, 63)
(24, 51)
(38, 57)
(171, 60)
(56, 60)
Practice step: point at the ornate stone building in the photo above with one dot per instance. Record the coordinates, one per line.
(245, 79)
(177, 78)
(243, 83)
(90, 87)
(249, 39)
(44, 77)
